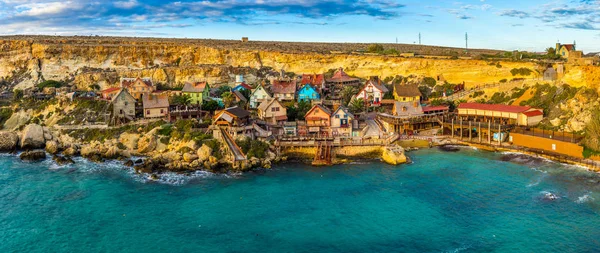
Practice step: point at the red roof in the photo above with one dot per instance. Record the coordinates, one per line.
(533, 113)
(111, 90)
(283, 87)
(494, 107)
(316, 79)
(569, 47)
(435, 108)
(341, 76)
(246, 86)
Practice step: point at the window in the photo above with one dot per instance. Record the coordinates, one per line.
(337, 116)
(162, 111)
(273, 109)
(147, 112)
(126, 103)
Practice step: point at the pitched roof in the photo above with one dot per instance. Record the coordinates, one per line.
(325, 109)
(407, 108)
(265, 104)
(126, 82)
(238, 112)
(315, 79)
(194, 87)
(309, 86)
(345, 110)
(124, 91)
(111, 90)
(407, 90)
(570, 47)
(283, 87)
(341, 76)
(242, 85)
(263, 88)
(377, 84)
(533, 113)
(239, 95)
(155, 101)
(436, 108)
(494, 107)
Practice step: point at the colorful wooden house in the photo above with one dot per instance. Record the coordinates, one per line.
(284, 90)
(316, 80)
(138, 87)
(232, 117)
(123, 105)
(198, 92)
(272, 112)
(318, 120)
(109, 93)
(308, 93)
(342, 122)
(406, 92)
(373, 92)
(259, 95)
(239, 97)
(241, 86)
(156, 105)
(565, 50)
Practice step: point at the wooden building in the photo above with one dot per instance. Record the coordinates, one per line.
(343, 122)
(272, 112)
(373, 91)
(156, 105)
(501, 114)
(123, 106)
(404, 92)
(197, 91)
(318, 120)
(138, 87)
(232, 117)
(284, 90)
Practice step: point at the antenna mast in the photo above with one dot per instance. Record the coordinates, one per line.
(419, 38)
(466, 41)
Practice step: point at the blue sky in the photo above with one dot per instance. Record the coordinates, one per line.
(524, 25)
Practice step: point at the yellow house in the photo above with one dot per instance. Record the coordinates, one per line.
(138, 87)
(155, 105)
(406, 93)
(565, 50)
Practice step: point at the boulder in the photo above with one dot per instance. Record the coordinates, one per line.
(89, 151)
(204, 153)
(129, 140)
(8, 141)
(394, 155)
(33, 137)
(128, 163)
(111, 152)
(52, 147)
(62, 160)
(146, 144)
(189, 157)
(33, 155)
(17, 120)
(70, 151)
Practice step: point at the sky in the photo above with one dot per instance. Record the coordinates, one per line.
(530, 25)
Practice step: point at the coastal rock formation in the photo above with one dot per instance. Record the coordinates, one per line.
(62, 160)
(394, 155)
(33, 155)
(52, 147)
(17, 120)
(33, 137)
(8, 141)
(204, 153)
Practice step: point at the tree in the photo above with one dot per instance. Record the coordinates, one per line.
(222, 90)
(303, 107)
(357, 105)
(347, 94)
(210, 105)
(50, 83)
(228, 98)
(375, 48)
(551, 51)
(181, 100)
(292, 112)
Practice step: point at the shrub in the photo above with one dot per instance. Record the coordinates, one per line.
(503, 80)
(121, 145)
(50, 83)
(521, 71)
(5, 114)
(165, 140)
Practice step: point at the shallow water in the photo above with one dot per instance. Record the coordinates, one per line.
(466, 201)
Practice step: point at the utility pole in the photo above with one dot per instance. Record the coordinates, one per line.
(466, 42)
(396, 40)
(419, 38)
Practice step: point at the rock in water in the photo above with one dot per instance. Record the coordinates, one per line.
(33, 137)
(52, 147)
(128, 163)
(8, 141)
(394, 155)
(62, 160)
(34, 155)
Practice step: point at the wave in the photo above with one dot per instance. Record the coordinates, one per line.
(583, 199)
(537, 182)
(548, 196)
(459, 249)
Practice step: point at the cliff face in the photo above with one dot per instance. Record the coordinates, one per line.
(25, 61)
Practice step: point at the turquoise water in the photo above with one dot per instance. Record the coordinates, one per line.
(467, 201)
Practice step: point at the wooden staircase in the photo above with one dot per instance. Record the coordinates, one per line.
(323, 155)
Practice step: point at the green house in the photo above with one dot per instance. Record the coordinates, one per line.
(198, 92)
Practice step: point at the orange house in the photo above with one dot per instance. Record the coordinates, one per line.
(318, 120)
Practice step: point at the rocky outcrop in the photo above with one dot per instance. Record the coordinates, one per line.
(147, 143)
(8, 141)
(62, 160)
(204, 153)
(394, 155)
(52, 147)
(17, 120)
(33, 155)
(33, 137)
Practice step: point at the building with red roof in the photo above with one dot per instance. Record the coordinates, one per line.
(336, 83)
(316, 80)
(497, 113)
(109, 93)
(284, 90)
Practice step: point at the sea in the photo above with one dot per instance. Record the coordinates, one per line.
(462, 201)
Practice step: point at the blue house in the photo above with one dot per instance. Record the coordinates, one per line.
(308, 93)
(241, 86)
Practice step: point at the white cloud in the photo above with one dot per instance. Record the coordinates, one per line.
(50, 8)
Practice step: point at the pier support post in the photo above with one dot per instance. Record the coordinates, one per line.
(479, 131)
(452, 128)
(489, 132)
(461, 130)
